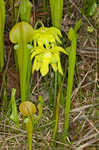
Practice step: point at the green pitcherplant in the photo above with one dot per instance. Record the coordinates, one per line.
(56, 12)
(14, 9)
(2, 25)
(72, 36)
(22, 34)
(25, 10)
(14, 114)
(28, 110)
(3, 92)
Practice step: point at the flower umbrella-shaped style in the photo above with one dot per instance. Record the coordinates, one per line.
(28, 109)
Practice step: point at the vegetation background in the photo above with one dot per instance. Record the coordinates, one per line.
(84, 112)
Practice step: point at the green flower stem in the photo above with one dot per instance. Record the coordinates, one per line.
(55, 91)
(3, 94)
(57, 114)
(60, 83)
(29, 127)
(36, 24)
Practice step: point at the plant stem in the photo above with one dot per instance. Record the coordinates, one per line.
(29, 127)
(57, 114)
(55, 93)
(4, 90)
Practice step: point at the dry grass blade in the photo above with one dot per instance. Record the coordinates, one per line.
(82, 108)
(89, 143)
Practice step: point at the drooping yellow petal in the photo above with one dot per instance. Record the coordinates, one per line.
(36, 65)
(54, 66)
(44, 68)
(60, 67)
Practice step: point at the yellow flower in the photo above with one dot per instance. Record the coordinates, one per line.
(44, 57)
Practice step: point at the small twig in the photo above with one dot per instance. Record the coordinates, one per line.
(85, 139)
(89, 143)
(9, 138)
(90, 49)
(14, 128)
(83, 108)
(88, 84)
(77, 89)
(36, 85)
(58, 142)
(91, 123)
(77, 116)
(88, 133)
